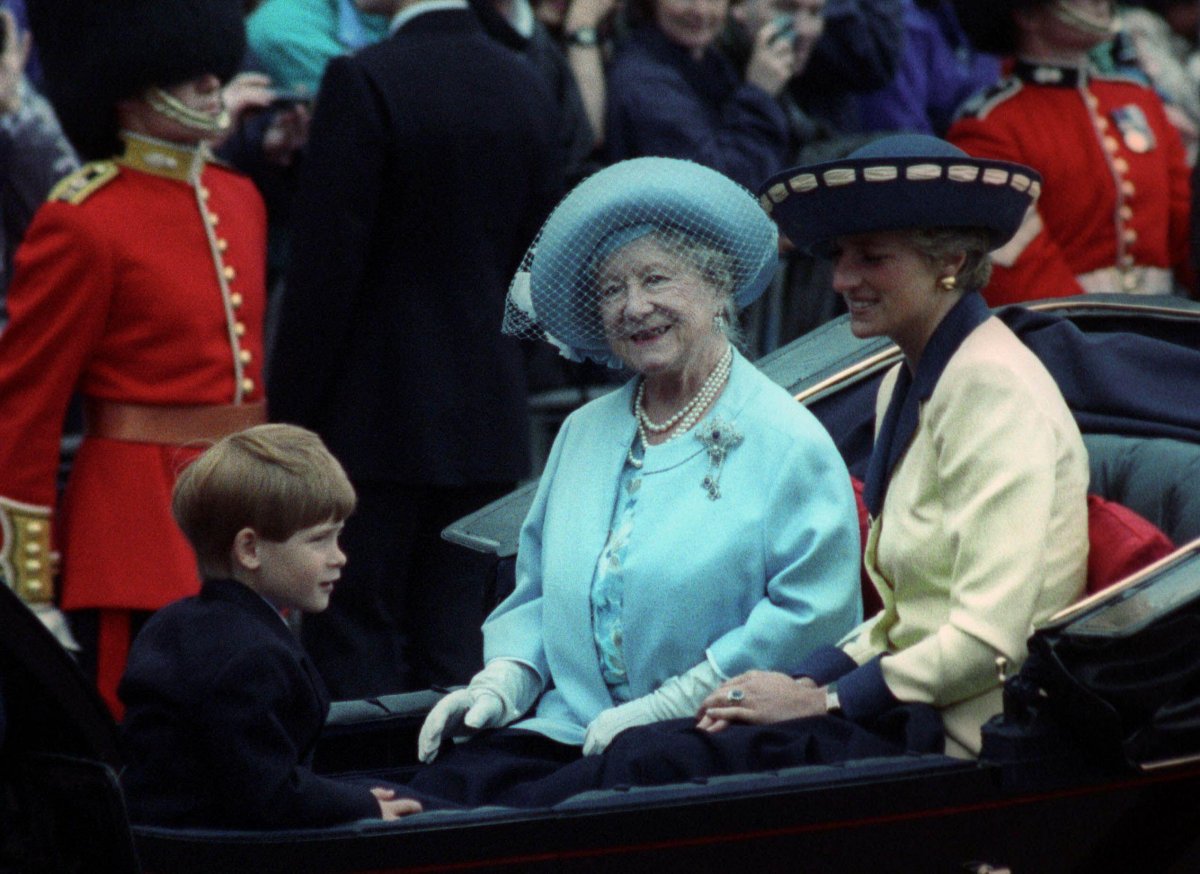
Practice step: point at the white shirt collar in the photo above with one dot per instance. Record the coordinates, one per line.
(404, 16)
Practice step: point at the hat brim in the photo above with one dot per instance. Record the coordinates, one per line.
(815, 205)
(635, 194)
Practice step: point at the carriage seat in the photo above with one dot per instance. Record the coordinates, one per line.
(1155, 477)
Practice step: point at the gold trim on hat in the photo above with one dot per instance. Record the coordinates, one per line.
(839, 176)
(962, 173)
(995, 176)
(923, 172)
(881, 174)
(803, 182)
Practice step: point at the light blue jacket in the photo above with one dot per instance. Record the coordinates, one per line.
(754, 579)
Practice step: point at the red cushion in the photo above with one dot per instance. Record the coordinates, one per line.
(872, 603)
(1122, 543)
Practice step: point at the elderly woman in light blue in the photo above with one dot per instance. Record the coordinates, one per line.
(696, 523)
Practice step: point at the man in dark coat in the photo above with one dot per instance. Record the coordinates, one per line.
(433, 158)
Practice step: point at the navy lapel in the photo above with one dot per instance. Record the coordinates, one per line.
(264, 613)
(903, 412)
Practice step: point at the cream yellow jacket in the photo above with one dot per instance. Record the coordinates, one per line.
(982, 534)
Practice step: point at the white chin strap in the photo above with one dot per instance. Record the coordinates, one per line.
(1066, 12)
(170, 106)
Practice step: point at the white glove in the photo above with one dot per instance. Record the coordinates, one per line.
(496, 696)
(56, 622)
(677, 697)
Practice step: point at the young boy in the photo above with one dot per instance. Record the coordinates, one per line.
(223, 708)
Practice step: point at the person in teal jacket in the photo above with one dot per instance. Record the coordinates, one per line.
(292, 40)
(691, 525)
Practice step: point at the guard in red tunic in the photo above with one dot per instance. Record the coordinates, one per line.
(1114, 209)
(139, 287)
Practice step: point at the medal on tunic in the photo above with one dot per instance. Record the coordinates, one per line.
(1134, 127)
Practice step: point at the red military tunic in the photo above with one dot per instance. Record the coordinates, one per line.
(140, 285)
(1114, 210)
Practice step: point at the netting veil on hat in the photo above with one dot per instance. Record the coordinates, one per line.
(693, 212)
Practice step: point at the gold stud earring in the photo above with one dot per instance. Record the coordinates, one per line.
(947, 283)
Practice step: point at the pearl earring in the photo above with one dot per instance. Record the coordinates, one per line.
(947, 283)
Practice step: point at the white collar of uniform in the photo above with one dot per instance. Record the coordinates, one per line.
(404, 16)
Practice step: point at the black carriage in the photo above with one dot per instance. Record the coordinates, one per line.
(1095, 766)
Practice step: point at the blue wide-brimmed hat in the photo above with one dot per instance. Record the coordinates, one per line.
(554, 295)
(895, 183)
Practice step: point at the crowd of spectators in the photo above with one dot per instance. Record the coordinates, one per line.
(746, 87)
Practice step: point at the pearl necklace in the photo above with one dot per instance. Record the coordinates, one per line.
(686, 416)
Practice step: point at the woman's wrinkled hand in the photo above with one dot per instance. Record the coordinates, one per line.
(760, 698)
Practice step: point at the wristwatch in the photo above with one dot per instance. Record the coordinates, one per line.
(583, 36)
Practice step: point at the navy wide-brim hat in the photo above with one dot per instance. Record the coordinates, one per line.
(555, 289)
(897, 183)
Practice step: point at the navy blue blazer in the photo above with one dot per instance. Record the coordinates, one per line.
(222, 713)
(433, 159)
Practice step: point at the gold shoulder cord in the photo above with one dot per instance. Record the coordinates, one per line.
(26, 561)
(80, 185)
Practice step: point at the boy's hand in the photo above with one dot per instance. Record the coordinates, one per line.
(391, 807)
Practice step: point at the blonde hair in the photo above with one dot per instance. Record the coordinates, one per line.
(936, 244)
(273, 479)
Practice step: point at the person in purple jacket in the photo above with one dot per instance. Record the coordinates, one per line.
(673, 94)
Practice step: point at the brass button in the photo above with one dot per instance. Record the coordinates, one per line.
(34, 586)
(213, 219)
(222, 244)
(203, 192)
(1101, 122)
(33, 527)
(1127, 188)
(1091, 99)
(235, 299)
(229, 273)
(246, 356)
(33, 565)
(247, 385)
(1126, 212)
(1111, 145)
(239, 329)
(1121, 165)
(1130, 235)
(33, 548)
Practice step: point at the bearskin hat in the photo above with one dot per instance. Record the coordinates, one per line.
(95, 53)
(990, 25)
